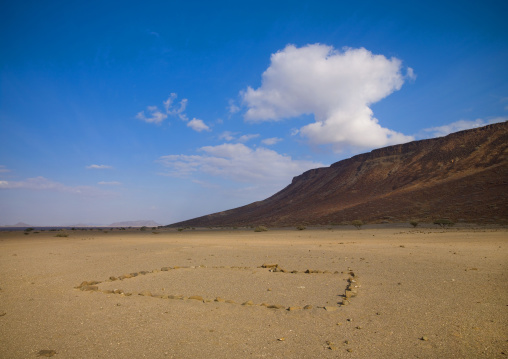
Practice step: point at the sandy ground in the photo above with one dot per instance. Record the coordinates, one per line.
(421, 293)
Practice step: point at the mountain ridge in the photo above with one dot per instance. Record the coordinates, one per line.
(462, 176)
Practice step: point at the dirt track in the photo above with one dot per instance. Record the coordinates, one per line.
(423, 293)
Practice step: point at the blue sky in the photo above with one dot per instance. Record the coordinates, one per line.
(163, 110)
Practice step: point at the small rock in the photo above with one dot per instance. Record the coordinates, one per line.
(46, 353)
(249, 302)
(264, 265)
(2, 314)
(220, 300)
(349, 350)
(276, 306)
(281, 339)
(308, 306)
(196, 297)
(294, 308)
(425, 338)
(90, 288)
(146, 293)
(330, 308)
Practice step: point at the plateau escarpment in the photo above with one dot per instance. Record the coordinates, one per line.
(462, 176)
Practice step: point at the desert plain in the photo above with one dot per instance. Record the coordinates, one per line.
(388, 291)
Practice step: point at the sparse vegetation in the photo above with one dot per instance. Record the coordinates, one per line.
(29, 229)
(143, 228)
(444, 222)
(300, 227)
(260, 229)
(180, 229)
(61, 235)
(357, 223)
(414, 224)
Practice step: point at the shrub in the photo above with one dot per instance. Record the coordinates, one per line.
(357, 223)
(143, 228)
(260, 229)
(61, 235)
(300, 228)
(443, 222)
(414, 224)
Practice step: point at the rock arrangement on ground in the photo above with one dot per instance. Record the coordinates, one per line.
(350, 291)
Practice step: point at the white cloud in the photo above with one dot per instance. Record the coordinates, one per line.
(410, 74)
(4, 169)
(155, 115)
(198, 125)
(233, 108)
(460, 126)
(43, 184)
(271, 141)
(98, 167)
(238, 162)
(176, 111)
(337, 87)
(110, 183)
(246, 138)
(227, 135)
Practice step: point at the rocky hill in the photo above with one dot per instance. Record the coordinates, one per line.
(463, 177)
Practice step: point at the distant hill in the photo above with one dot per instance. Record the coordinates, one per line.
(141, 223)
(462, 176)
(20, 224)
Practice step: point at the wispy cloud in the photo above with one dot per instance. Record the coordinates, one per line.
(232, 107)
(43, 184)
(4, 169)
(238, 162)
(154, 115)
(98, 167)
(271, 141)
(249, 137)
(174, 109)
(109, 183)
(198, 125)
(458, 126)
(337, 87)
(227, 135)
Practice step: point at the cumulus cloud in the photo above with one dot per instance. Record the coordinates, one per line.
(198, 125)
(337, 87)
(43, 184)
(459, 126)
(98, 167)
(271, 141)
(238, 162)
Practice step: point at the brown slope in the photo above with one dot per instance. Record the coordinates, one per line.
(463, 176)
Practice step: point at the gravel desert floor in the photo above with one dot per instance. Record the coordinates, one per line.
(384, 292)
